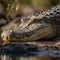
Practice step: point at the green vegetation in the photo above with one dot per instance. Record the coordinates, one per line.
(37, 4)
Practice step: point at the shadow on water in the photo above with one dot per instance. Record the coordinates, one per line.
(22, 51)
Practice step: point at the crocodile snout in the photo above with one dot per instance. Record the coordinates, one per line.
(6, 36)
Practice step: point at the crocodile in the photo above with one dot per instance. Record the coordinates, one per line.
(40, 25)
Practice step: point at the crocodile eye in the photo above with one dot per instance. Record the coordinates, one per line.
(40, 22)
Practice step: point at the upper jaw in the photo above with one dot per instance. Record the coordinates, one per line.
(11, 33)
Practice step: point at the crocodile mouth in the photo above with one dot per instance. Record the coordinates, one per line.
(33, 35)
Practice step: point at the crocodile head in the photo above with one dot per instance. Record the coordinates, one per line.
(37, 29)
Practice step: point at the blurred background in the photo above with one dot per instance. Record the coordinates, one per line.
(27, 6)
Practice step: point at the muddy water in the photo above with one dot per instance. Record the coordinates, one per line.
(30, 51)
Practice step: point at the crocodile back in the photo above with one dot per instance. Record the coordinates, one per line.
(53, 12)
(50, 15)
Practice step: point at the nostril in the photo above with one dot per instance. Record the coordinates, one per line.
(7, 38)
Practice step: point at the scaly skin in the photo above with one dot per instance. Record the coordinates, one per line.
(35, 27)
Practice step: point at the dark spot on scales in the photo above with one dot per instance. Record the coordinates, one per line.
(57, 12)
(58, 9)
(54, 11)
(51, 14)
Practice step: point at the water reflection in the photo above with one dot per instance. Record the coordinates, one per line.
(20, 51)
(7, 57)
